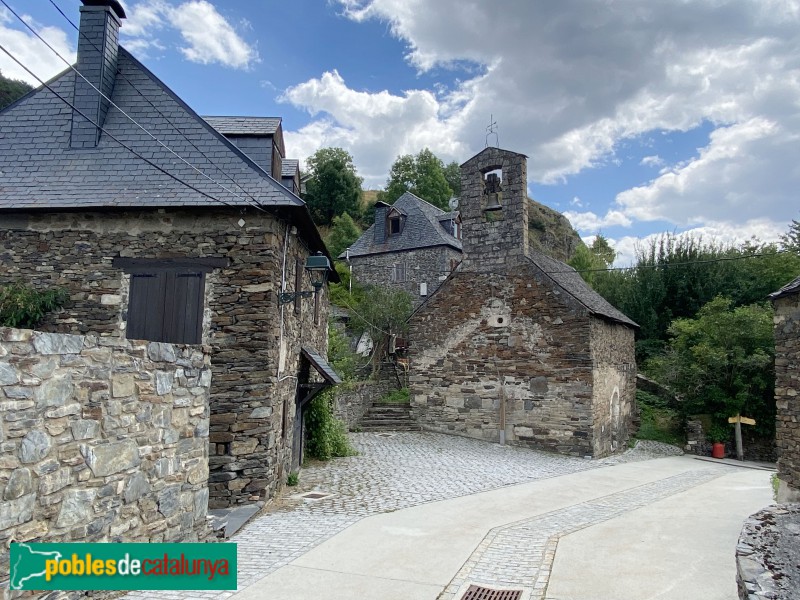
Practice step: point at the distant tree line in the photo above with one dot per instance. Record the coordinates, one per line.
(11, 90)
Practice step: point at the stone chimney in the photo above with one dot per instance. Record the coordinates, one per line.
(380, 222)
(98, 44)
(494, 210)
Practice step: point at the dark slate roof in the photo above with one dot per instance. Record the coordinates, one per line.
(39, 170)
(245, 125)
(793, 287)
(289, 167)
(420, 230)
(448, 216)
(571, 282)
(321, 365)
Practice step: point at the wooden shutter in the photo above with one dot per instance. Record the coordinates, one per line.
(166, 306)
(183, 313)
(146, 306)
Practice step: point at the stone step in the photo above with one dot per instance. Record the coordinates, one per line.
(372, 428)
(387, 422)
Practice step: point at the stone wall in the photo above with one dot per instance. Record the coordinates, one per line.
(353, 400)
(614, 385)
(101, 440)
(255, 343)
(787, 395)
(494, 239)
(485, 338)
(425, 265)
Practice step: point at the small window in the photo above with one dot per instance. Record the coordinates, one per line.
(398, 273)
(423, 289)
(394, 226)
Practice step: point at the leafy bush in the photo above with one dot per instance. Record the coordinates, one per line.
(23, 306)
(342, 358)
(326, 435)
(659, 422)
(721, 363)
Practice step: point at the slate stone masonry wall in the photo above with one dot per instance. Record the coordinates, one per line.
(487, 338)
(101, 440)
(425, 265)
(787, 394)
(255, 345)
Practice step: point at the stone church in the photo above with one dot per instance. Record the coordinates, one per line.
(515, 347)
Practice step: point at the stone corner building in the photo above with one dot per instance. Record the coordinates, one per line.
(787, 389)
(514, 345)
(190, 247)
(412, 246)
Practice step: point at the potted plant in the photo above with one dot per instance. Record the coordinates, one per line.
(718, 435)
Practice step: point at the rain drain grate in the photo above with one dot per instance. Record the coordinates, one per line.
(385, 435)
(475, 592)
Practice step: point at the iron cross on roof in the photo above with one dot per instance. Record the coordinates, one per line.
(491, 129)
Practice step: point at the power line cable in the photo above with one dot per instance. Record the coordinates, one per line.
(146, 99)
(110, 135)
(126, 115)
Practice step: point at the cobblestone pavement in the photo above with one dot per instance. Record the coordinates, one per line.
(520, 555)
(390, 473)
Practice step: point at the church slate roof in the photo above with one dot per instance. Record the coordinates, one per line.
(571, 282)
(793, 287)
(421, 229)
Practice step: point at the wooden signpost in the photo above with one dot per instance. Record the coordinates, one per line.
(738, 420)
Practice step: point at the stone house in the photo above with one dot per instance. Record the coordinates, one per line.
(786, 302)
(412, 246)
(188, 244)
(514, 346)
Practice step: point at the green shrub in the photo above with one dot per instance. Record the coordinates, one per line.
(293, 479)
(326, 435)
(23, 306)
(400, 396)
(659, 422)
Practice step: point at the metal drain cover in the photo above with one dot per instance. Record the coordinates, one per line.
(385, 435)
(315, 495)
(475, 592)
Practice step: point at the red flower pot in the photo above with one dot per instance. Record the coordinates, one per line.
(718, 450)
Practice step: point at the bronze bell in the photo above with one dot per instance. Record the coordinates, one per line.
(493, 192)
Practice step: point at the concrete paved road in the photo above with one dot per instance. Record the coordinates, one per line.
(420, 516)
(663, 528)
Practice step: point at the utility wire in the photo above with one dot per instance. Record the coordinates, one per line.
(126, 115)
(146, 99)
(110, 135)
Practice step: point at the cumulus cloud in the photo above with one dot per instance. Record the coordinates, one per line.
(568, 82)
(652, 161)
(31, 51)
(373, 126)
(722, 232)
(589, 221)
(207, 35)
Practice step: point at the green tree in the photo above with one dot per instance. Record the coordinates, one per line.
(675, 276)
(721, 362)
(423, 175)
(333, 187)
(590, 260)
(342, 234)
(791, 239)
(11, 90)
(452, 173)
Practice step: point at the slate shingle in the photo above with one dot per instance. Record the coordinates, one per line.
(422, 229)
(245, 125)
(793, 287)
